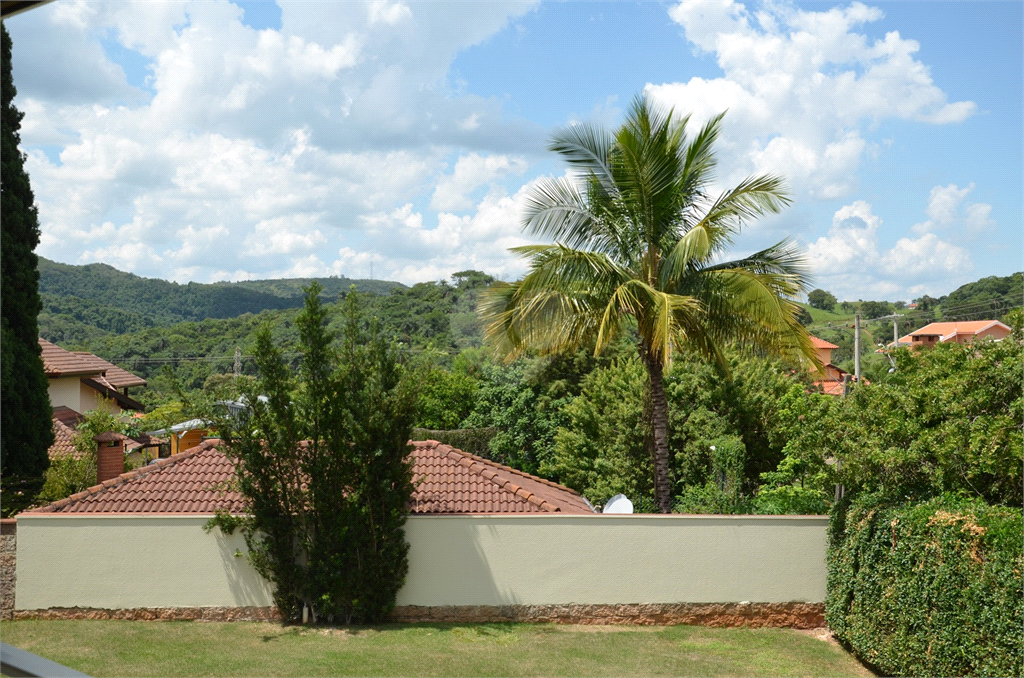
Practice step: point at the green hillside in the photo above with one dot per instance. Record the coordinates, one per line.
(989, 297)
(82, 303)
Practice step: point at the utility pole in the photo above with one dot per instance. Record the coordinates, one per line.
(238, 362)
(856, 349)
(895, 328)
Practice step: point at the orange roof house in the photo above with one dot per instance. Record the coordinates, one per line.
(448, 481)
(963, 332)
(832, 381)
(81, 381)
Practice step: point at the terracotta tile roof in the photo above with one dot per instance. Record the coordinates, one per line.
(821, 343)
(62, 441)
(449, 481)
(453, 481)
(113, 375)
(67, 416)
(58, 362)
(947, 329)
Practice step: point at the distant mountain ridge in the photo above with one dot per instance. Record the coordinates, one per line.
(79, 301)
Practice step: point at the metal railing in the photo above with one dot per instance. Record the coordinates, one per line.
(16, 662)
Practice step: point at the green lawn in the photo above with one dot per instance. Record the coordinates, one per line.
(119, 648)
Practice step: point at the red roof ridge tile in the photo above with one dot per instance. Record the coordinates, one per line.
(127, 477)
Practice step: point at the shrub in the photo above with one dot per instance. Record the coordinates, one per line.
(67, 475)
(323, 466)
(928, 589)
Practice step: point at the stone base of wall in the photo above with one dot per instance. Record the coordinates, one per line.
(754, 615)
(786, 615)
(8, 565)
(156, 613)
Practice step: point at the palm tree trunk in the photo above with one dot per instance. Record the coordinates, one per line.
(659, 428)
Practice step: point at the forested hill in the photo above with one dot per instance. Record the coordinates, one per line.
(83, 302)
(985, 298)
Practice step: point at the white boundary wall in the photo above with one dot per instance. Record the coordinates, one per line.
(116, 562)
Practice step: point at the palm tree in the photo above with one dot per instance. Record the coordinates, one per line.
(639, 234)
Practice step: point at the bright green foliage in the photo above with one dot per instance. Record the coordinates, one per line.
(985, 299)
(445, 399)
(930, 589)
(1015, 320)
(66, 476)
(512, 400)
(601, 451)
(323, 465)
(639, 242)
(802, 483)
(947, 420)
(875, 309)
(70, 474)
(821, 299)
(26, 430)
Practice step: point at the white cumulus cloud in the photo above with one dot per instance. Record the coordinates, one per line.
(803, 89)
(850, 262)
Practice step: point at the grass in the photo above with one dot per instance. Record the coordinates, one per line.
(121, 648)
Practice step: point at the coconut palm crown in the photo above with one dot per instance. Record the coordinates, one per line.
(638, 233)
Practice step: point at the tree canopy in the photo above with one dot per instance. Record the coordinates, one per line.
(26, 430)
(639, 236)
(822, 300)
(322, 461)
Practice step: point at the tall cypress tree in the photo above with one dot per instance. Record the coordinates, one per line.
(26, 431)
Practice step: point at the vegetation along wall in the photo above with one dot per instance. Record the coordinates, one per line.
(931, 588)
(119, 562)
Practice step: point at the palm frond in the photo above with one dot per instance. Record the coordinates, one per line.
(694, 246)
(587, 148)
(753, 197)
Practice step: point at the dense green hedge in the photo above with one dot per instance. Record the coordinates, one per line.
(928, 589)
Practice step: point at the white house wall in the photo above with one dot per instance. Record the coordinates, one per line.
(66, 392)
(118, 562)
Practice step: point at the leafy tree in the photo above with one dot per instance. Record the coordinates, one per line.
(511, 400)
(69, 474)
(1015, 320)
(821, 300)
(947, 420)
(322, 463)
(984, 299)
(26, 430)
(926, 303)
(723, 433)
(875, 309)
(637, 234)
(445, 399)
(803, 317)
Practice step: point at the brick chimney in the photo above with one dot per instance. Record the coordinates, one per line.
(109, 455)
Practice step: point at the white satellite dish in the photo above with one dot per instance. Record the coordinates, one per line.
(618, 504)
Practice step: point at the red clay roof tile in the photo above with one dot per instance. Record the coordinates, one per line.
(58, 362)
(821, 343)
(62, 446)
(447, 481)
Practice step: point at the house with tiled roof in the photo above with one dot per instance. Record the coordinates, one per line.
(81, 381)
(960, 332)
(831, 382)
(448, 481)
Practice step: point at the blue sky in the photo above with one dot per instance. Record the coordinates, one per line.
(216, 141)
